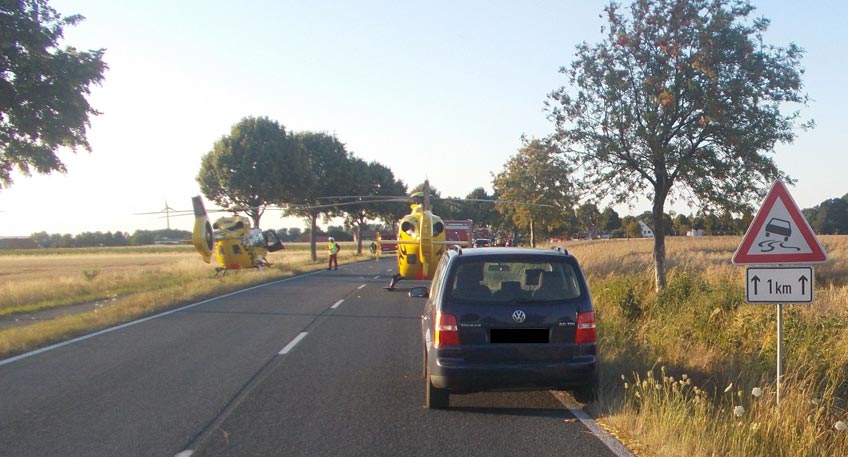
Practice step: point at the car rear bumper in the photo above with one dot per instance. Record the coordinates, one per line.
(459, 377)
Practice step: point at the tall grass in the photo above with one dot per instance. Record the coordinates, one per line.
(679, 368)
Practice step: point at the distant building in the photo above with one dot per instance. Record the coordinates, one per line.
(695, 232)
(17, 242)
(646, 231)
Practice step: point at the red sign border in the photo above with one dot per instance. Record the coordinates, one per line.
(742, 256)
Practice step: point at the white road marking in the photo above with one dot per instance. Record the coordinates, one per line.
(139, 321)
(292, 344)
(377, 277)
(360, 287)
(614, 445)
(337, 304)
(186, 453)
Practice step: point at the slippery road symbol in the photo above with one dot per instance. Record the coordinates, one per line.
(781, 227)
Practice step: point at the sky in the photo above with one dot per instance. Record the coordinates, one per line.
(433, 90)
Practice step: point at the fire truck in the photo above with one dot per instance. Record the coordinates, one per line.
(459, 231)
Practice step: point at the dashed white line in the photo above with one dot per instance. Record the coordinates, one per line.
(292, 344)
(377, 277)
(186, 453)
(360, 287)
(337, 304)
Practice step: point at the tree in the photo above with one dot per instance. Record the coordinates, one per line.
(682, 99)
(610, 220)
(372, 180)
(534, 177)
(829, 217)
(589, 218)
(43, 89)
(327, 175)
(255, 166)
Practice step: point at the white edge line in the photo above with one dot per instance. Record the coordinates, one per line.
(337, 304)
(613, 444)
(360, 287)
(292, 343)
(144, 319)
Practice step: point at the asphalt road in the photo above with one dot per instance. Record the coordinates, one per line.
(323, 364)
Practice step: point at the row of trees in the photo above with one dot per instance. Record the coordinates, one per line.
(308, 174)
(111, 239)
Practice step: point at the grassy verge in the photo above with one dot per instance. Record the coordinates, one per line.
(691, 371)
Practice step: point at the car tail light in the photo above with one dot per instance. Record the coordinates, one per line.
(447, 331)
(586, 332)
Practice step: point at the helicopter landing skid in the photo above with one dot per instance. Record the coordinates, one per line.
(395, 278)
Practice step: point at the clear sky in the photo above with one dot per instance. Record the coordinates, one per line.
(440, 90)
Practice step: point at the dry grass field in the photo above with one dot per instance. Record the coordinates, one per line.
(689, 371)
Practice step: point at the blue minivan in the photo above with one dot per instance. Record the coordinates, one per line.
(499, 319)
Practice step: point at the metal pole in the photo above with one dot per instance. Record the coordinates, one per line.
(779, 349)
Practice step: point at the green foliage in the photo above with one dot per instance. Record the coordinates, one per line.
(829, 217)
(43, 88)
(683, 98)
(536, 175)
(256, 165)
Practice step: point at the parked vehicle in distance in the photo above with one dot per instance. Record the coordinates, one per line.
(507, 319)
(482, 243)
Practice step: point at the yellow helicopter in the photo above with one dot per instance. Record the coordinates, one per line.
(420, 240)
(231, 239)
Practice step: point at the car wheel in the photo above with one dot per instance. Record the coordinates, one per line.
(435, 398)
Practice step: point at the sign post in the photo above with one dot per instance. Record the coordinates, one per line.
(781, 245)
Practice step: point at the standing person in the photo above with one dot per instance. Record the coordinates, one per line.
(334, 250)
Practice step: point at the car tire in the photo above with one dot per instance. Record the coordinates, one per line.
(435, 398)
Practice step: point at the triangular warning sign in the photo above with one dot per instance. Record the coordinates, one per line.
(779, 234)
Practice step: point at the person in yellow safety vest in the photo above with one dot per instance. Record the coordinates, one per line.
(334, 250)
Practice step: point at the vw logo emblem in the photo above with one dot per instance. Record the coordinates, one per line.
(518, 316)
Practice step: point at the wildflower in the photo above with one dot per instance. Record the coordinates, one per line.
(738, 411)
(622, 376)
(757, 392)
(841, 426)
(727, 389)
(626, 386)
(685, 376)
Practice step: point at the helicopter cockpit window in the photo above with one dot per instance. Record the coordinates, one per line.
(236, 249)
(408, 227)
(438, 228)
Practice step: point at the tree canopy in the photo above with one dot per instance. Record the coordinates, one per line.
(255, 166)
(535, 176)
(682, 99)
(43, 89)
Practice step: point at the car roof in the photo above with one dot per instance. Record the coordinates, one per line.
(509, 251)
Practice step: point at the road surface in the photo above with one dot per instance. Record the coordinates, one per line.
(323, 364)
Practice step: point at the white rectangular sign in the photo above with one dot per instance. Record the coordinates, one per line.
(779, 284)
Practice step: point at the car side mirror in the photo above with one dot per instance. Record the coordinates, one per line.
(419, 292)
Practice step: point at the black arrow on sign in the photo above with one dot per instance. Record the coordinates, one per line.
(755, 280)
(803, 280)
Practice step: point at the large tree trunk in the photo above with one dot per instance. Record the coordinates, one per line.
(659, 239)
(532, 233)
(313, 221)
(358, 236)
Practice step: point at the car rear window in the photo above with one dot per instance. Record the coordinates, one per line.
(504, 279)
